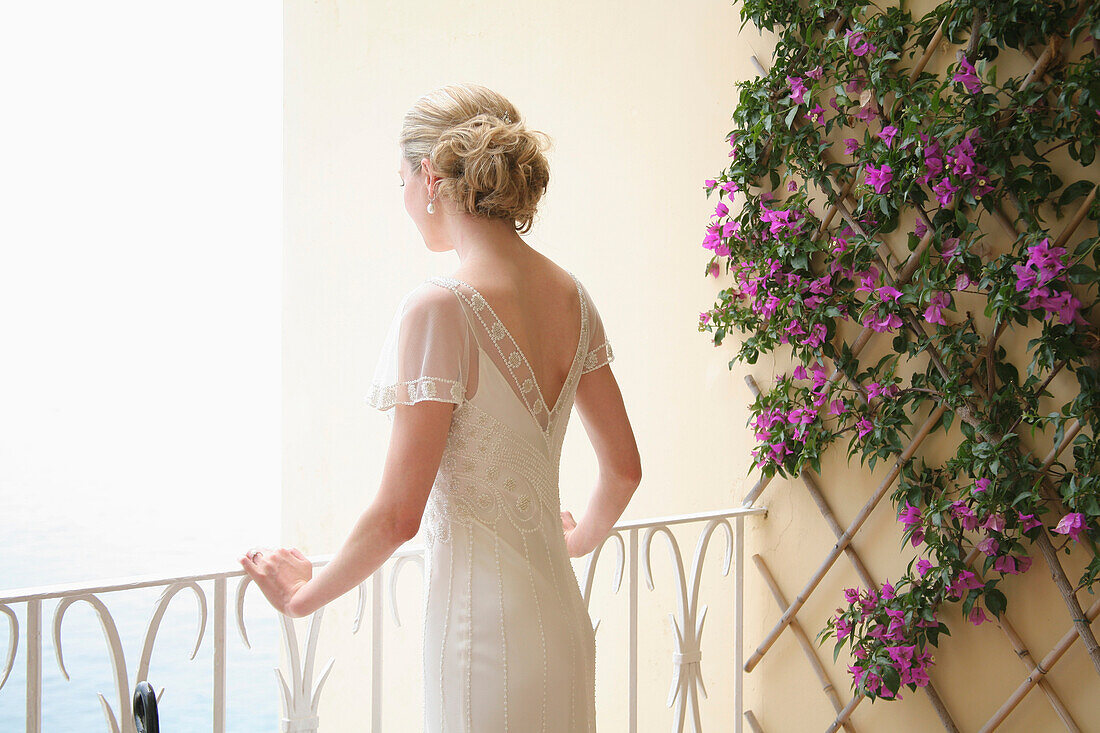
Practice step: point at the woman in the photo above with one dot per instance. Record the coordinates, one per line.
(479, 373)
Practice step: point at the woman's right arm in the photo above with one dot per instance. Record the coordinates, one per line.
(603, 414)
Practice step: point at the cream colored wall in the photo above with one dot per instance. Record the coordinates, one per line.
(637, 97)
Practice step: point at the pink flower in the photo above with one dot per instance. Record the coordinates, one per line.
(965, 514)
(799, 372)
(910, 515)
(857, 45)
(967, 580)
(1027, 521)
(920, 228)
(887, 134)
(995, 522)
(843, 628)
(977, 615)
(923, 566)
(817, 335)
(911, 518)
(864, 426)
(980, 188)
(980, 485)
(945, 191)
(890, 322)
(851, 145)
(1011, 564)
(817, 114)
(1072, 524)
(950, 248)
(888, 293)
(791, 186)
(866, 113)
(939, 301)
(879, 178)
(819, 375)
(968, 76)
(815, 73)
(798, 89)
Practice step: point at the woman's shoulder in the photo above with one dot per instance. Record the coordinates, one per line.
(430, 298)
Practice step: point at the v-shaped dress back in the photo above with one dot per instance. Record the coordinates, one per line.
(508, 642)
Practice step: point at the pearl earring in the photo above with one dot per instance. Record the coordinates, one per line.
(431, 203)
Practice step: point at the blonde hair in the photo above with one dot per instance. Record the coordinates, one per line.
(489, 163)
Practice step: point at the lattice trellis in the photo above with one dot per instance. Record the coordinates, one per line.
(896, 273)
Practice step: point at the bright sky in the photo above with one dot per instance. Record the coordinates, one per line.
(140, 267)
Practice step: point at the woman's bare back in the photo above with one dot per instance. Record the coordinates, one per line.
(538, 303)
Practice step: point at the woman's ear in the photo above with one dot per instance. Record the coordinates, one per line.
(429, 175)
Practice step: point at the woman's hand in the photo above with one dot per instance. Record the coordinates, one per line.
(280, 574)
(569, 524)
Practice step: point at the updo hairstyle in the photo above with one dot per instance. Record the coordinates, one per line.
(489, 163)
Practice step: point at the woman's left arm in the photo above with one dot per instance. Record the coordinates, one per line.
(417, 440)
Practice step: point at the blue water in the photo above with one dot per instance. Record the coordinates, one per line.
(45, 543)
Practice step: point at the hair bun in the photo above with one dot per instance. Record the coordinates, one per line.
(490, 163)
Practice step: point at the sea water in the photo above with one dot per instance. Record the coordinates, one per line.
(49, 538)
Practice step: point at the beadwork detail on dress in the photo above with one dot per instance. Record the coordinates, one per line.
(518, 366)
(487, 471)
(415, 390)
(598, 356)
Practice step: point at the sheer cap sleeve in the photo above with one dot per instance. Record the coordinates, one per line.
(426, 354)
(599, 346)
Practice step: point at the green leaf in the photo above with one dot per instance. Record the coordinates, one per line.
(1082, 273)
(995, 601)
(1075, 191)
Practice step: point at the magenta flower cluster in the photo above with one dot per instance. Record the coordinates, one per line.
(888, 631)
(959, 162)
(780, 432)
(1046, 266)
(994, 524)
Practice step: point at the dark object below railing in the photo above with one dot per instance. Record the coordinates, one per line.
(145, 709)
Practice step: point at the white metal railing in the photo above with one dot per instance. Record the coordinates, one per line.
(301, 693)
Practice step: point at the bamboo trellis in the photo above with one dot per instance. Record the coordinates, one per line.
(1037, 672)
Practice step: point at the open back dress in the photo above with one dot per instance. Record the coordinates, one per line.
(508, 642)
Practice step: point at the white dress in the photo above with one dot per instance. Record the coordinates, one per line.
(508, 642)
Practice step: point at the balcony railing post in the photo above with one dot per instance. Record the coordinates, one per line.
(633, 631)
(34, 666)
(376, 649)
(739, 624)
(220, 622)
